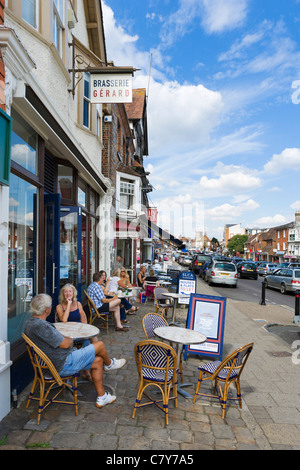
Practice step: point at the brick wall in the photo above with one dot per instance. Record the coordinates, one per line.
(114, 141)
(2, 69)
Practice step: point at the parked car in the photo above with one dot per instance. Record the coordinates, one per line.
(198, 260)
(203, 268)
(294, 265)
(186, 261)
(247, 269)
(266, 268)
(221, 272)
(284, 279)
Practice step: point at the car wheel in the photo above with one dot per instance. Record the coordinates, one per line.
(266, 284)
(283, 289)
(255, 278)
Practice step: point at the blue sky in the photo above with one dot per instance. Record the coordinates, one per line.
(223, 106)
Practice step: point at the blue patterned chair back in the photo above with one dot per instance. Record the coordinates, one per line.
(233, 365)
(156, 361)
(152, 321)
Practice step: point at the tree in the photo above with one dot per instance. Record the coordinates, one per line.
(236, 244)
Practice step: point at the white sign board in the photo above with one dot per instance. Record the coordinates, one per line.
(111, 88)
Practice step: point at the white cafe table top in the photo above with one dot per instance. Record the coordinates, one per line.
(180, 335)
(76, 330)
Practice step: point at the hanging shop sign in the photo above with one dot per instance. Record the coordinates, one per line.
(5, 147)
(111, 88)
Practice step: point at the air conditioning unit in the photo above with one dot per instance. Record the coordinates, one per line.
(107, 118)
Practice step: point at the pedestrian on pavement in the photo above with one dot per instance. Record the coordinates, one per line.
(65, 357)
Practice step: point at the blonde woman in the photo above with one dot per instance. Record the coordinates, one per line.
(69, 309)
(120, 280)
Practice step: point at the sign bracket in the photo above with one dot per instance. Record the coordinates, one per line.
(77, 73)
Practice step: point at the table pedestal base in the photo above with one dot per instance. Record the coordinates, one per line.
(183, 392)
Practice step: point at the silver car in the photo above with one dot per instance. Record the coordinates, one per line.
(284, 279)
(221, 272)
(266, 268)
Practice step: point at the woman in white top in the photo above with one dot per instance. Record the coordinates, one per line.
(117, 283)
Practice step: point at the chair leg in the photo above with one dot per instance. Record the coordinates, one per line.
(198, 385)
(238, 392)
(224, 400)
(138, 398)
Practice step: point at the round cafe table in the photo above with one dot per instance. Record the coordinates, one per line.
(77, 330)
(180, 336)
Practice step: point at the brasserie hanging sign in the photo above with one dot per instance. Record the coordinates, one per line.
(111, 88)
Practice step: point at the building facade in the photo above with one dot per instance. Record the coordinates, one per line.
(54, 211)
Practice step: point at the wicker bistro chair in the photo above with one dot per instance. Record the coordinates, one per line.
(154, 320)
(46, 375)
(226, 372)
(94, 313)
(162, 303)
(156, 364)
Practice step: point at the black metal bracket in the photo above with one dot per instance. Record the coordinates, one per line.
(77, 73)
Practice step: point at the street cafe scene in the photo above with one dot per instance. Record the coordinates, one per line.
(149, 241)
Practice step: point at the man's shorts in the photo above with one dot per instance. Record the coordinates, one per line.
(80, 359)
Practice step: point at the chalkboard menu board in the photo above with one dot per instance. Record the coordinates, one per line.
(207, 315)
(186, 285)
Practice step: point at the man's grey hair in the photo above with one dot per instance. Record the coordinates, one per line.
(39, 303)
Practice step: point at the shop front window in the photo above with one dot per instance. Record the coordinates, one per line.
(23, 144)
(21, 254)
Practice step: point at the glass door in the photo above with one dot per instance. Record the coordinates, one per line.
(70, 247)
(52, 251)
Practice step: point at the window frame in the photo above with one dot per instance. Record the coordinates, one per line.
(36, 14)
(58, 25)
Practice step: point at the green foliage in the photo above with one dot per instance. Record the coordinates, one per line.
(236, 244)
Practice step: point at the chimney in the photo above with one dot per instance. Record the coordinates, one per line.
(297, 217)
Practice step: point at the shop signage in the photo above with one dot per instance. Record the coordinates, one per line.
(5, 147)
(186, 285)
(207, 315)
(152, 214)
(111, 88)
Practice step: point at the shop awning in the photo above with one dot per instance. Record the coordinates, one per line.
(154, 229)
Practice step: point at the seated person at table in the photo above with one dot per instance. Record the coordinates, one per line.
(105, 304)
(104, 284)
(153, 279)
(65, 358)
(119, 281)
(141, 276)
(69, 309)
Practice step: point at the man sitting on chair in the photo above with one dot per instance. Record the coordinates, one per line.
(67, 359)
(104, 304)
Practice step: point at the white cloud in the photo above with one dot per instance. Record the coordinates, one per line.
(295, 205)
(229, 212)
(222, 15)
(180, 116)
(288, 159)
(230, 183)
(271, 221)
